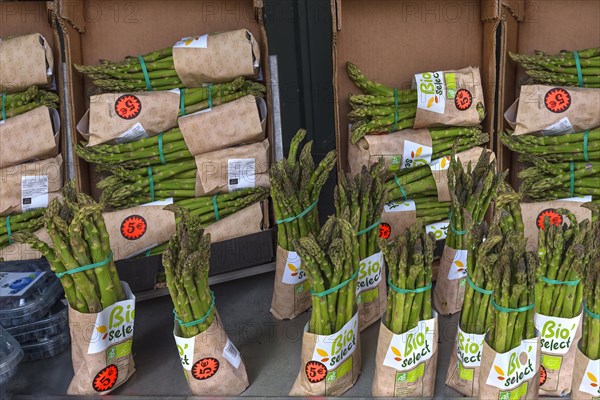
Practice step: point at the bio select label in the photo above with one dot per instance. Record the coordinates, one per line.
(293, 272)
(185, 347)
(431, 91)
(440, 164)
(469, 347)
(333, 350)
(514, 367)
(114, 324)
(409, 349)
(557, 334)
(399, 206)
(416, 154)
(369, 272)
(439, 229)
(591, 379)
(458, 268)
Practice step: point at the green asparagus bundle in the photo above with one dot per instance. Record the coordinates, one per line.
(331, 259)
(429, 210)
(561, 69)
(186, 262)
(29, 221)
(18, 103)
(590, 276)
(295, 188)
(79, 238)
(561, 148)
(360, 201)
(409, 258)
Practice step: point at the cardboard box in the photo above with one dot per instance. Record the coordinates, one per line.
(393, 40)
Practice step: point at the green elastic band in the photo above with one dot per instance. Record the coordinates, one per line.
(198, 321)
(477, 288)
(590, 313)
(145, 72)
(408, 291)
(578, 66)
(210, 90)
(182, 102)
(395, 112)
(3, 106)
(215, 208)
(336, 288)
(151, 182)
(453, 229)
(507, 310)
(555, 282)
(302, 214)
(400, 187)
(586, 135)
(86, 267)
(161, 154)
(369, 228)
(8, 231)
(572, 188)
(148, 253)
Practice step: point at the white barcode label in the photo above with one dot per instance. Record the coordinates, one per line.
(231, 354)
(34, 192)
(241, 174)
(198, 42)
(136, 132)
(561, 127)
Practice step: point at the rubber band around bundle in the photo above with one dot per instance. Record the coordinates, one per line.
(509, 310)
(86, 267)
(210, 92)
(336, 288)
(572, 180)
(182, 101)
(396, 109)
(198, 321)
(555, 282)
(477, 288)
(586, 156)
(453, 229)
(145, 72)
(369, 228)
(590, 313)
(302, 214)
(151, 183)
(161, 153)
(400, 187)
(408, 291)
(8, 231)
(578, 66)
(215, 207)
(3, 106)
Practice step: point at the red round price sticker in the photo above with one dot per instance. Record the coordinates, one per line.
(555, 218)
(133, 227)
(385, 230)
(128, 106)
(106, 379)
(315, 371)
(205, 368)
(463, 99)
(557, 100)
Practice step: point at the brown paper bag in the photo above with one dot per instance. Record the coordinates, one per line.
(27, 186)
(465, 362)
(405, 149)
(449, 98)
(551, 110)
(241, 121)
(216, 57)
(101, 347)
(232, 169)
(405, 364)
(243, 223)
(329, 365)
(126, 117)
(25, 61)
(22, 251)
(371, 290)
(291, 291)
(534, 214)
(586, 375)
(559, 340)
(511, 375)
(211, 363)
(29, 136)
(401, 215)
(449, 291)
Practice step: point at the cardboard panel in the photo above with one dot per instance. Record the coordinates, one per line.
(392, 40)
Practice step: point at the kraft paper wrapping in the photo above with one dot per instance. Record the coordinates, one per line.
(386, 382)
(399, 221)
(448, 294)
(123, 117)
(534, 213)
(467, 385)
(29, 136)
(12, 178)
(552, 110)
(25, 61)
(110, 367)
(583, 384)
(22, 251)
(461, 104)
(372, 303)
(391, 147)
(211, 374)
(222, 57)
(214, 174)
(289, 299)
(243, 223)
(241, 121)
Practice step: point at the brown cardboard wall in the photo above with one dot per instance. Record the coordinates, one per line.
(390, 41)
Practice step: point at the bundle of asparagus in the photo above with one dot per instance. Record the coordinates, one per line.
(409, 258)
(429, 209)
(29, 221)
(590, 276)
(18, 103)
(564, 68)
(331, 259)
